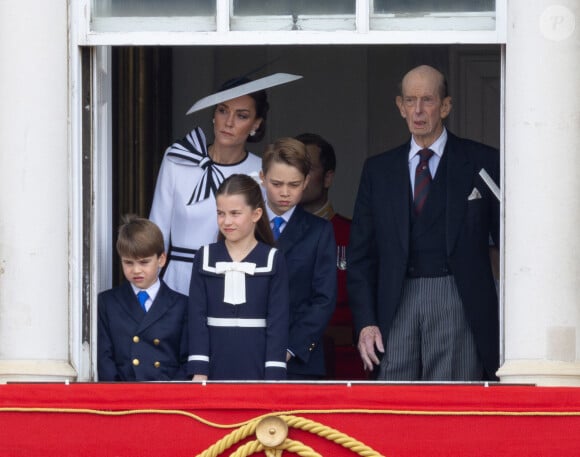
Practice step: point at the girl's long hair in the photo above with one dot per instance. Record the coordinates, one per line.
(239, 184)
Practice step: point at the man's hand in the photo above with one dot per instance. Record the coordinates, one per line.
(199, 377)
(369, 338)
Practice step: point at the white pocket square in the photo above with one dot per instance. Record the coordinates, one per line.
(474, 195)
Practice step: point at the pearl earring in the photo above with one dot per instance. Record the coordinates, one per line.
(252, 133)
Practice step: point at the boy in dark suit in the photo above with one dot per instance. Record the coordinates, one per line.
(342, 357)
(142, 326)
(307, 242)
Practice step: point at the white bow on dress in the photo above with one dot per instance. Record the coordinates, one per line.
(235, 280)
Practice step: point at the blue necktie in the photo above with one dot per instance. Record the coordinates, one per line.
(143, 296)
(278, 221)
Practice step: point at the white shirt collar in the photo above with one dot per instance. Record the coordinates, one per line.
(437, 147)
(286, 216)
(151, 291)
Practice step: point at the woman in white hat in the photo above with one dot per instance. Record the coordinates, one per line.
(191, 171)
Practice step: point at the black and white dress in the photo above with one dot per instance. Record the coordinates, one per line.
(184, 205)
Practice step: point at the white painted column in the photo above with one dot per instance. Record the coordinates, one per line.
(34, 191)
(542, 193)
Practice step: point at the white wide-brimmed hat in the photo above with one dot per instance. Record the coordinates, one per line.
(243, 89)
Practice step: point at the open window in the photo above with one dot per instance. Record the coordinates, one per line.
(147, 61)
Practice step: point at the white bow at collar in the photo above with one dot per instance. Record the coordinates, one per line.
(235, 280)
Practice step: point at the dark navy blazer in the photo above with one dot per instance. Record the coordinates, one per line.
(310, 252)
(137, 346)
(378, 249)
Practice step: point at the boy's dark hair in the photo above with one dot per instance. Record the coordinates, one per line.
(327, 155)
(288, 151)
(260, 100)
(239, 184)
(139, 237)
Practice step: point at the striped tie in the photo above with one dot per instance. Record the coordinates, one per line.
(422, 180)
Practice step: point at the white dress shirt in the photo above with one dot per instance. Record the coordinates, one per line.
(151, 291)
(286, 216)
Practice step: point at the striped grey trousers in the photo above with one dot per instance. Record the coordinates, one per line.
(430, 339)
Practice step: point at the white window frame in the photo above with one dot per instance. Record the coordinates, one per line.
(83, 357)
(436, 28)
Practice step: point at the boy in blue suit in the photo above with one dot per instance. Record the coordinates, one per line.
(142, 324)
(307, 242)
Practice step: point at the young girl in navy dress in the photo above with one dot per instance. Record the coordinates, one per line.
(238, 297)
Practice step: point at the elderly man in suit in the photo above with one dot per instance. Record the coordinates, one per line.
(420, 281)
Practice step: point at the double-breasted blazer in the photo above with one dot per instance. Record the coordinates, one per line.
(136, 346)
(378, 250)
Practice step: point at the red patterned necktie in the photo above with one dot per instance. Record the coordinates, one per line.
(422, 180)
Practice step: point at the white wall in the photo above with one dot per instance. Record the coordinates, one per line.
(34, 255)
(542, 194)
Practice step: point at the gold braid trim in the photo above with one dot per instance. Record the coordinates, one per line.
(295, 422)
(288, 445)
(247, 428)
(330, 434)
(392, 412)
(229, 440)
